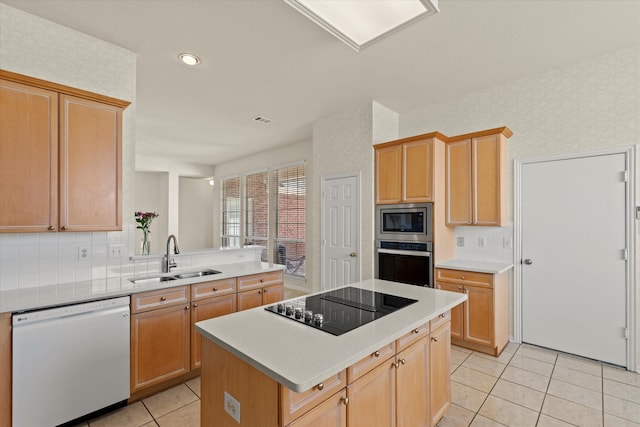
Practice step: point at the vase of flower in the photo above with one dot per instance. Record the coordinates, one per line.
(144, 223)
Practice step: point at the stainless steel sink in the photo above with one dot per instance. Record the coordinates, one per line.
(196, 274)
(151, 280)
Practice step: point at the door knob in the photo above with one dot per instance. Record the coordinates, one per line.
(352, 254)
(528, 261)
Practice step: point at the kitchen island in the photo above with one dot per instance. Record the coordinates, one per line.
(263, 369)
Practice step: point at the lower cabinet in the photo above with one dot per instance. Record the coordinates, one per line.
(207, 309)
(439, 372)
(261, 296)
(330, 413)
(160, 336)
(412, 385)
(372, 399)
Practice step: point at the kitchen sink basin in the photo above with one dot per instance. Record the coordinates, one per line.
(151, 280)
(196, 274)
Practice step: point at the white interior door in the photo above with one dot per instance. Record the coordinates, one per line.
(574, 273)
(340, 232)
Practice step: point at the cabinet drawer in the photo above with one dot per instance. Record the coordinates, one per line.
(295, 404)
(410, 337)
(464, 277)
(161, 298)
(261, 280)
(443, 318)
(214, 288)
(360, 368)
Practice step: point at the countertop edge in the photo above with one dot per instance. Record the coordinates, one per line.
(492, 267)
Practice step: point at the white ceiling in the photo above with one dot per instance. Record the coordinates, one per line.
(262, 57)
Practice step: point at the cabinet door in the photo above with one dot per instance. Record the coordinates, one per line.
(478, 316)
(457, 312)
(90, 165)
(458, 182)
(331, 413)
(203, 310)
(440, 372)
(272, 294)
(159, 345)
(389, 174)
(372, 398)
(28, 158)
(417, 175)
(489, 180)
(293, 405)
(249, 299)
(412, 385)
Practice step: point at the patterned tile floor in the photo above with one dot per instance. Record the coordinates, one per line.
(524, 386)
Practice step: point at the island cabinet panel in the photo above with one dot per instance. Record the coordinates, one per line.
(5, 369)
(330, 413)
(293, 405)
(412, 385)
(372, 398)
(365, 365)
(204, 309)
(222, 372)
(28, 158)
(414, 335)
(481, 323)
(439, 372)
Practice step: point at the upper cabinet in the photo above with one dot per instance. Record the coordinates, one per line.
(60, 157)
(404, 170)
(476, 178)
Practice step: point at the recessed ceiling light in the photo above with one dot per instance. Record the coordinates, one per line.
(189, 58)
(361, 23)
(261, 119)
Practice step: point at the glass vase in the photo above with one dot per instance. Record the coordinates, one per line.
(145, 243)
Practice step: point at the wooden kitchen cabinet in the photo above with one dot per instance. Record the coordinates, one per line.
(404, 169)
(259, 289)
(476, 178)
(160, 336)
(439, 372)
(372, 398)
(412, 385)
(330, 413)
(209, 300)
(5, 369)
(60, 157)
(483, 324)
(294, 405)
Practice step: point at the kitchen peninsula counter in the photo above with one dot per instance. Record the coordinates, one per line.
(299, 356)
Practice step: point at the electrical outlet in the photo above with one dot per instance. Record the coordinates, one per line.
(460, 241)
(232, 406)
(507, 243)
(115, 251)
(83, 253)
(482, 242)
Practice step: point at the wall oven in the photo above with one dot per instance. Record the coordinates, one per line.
(405, 262)
(409, 222)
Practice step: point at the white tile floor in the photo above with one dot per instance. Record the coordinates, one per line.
(524, 386)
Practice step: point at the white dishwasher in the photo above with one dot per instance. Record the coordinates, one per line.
(69, 361)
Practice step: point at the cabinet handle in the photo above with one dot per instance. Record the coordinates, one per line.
(394, 365)
(64, 228)
(320, 386)
(344, 400)
(260, 291)
(434, 339)
(186, 307)
(415, 331)
(402, 361)
(266, 290)
(195, 305)
(261, 280)
(163, 298)
(462, 277)
(215, 289)
(376, 354)
(460, 287)
(443, 315)
(51, 228)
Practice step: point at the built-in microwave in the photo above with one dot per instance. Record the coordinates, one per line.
(408, 222)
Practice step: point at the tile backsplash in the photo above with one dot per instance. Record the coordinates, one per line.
(30, 260)
(485, 243)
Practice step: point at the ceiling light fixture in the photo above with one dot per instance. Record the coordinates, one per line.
(361, 23)
(189, 58)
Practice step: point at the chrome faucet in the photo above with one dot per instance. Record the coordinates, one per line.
(167, 262)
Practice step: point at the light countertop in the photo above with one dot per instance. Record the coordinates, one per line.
(70, 293)
(299, 356)
(493, 267)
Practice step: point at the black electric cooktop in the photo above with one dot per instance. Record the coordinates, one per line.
(340, 310)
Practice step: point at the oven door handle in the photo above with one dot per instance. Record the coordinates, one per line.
(400, 252)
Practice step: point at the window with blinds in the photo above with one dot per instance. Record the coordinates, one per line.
(256, 207)
(230, 215)
(290, 207)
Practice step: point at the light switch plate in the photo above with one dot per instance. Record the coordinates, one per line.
(460, 241)
(482, 242)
